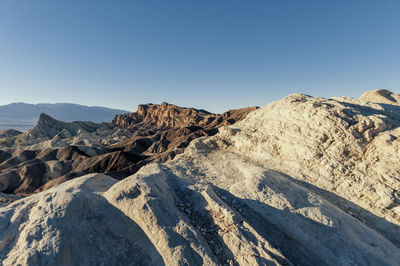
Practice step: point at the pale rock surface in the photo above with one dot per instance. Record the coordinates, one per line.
(188, 223)
(345, 150)
(164, 216)
(72, 224)
(381, 96)
(148, 219)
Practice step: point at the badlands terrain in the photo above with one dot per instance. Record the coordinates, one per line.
(301, 181)
(23, 116)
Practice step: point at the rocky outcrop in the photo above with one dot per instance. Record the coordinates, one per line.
(171, 116)
(381, 96)
(72, 225)
(161, 216)
(343, 149)
(164, 144)
(9, 133)
(163, 115)
(49, 128)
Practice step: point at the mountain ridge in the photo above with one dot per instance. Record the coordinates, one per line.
(172, 116)
(22, 116)
(54, 151)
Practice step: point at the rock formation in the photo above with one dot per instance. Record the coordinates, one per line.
(54, 151)
(381, 96)
(301, 181)
(9, 133)
(50, 128)
(171, 116)
(72, 225)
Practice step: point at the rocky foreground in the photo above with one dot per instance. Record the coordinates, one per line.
(301, 181)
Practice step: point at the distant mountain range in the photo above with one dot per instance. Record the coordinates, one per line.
(23, 116)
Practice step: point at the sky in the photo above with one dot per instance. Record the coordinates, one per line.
(209, 54)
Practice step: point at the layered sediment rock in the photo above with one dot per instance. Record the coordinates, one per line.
(171, 116)
(55, 151)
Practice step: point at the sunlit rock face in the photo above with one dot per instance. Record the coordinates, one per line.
(171, 116)
(381, 96)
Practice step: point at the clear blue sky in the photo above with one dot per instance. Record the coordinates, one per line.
(210, 54)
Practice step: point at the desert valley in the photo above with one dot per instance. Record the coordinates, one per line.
(300, 181)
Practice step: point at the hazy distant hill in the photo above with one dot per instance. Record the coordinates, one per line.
(23, 116)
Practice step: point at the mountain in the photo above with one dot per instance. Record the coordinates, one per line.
(54, 151)
(171, 116)
(22, 116)
(301, 181)
(49, 128)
